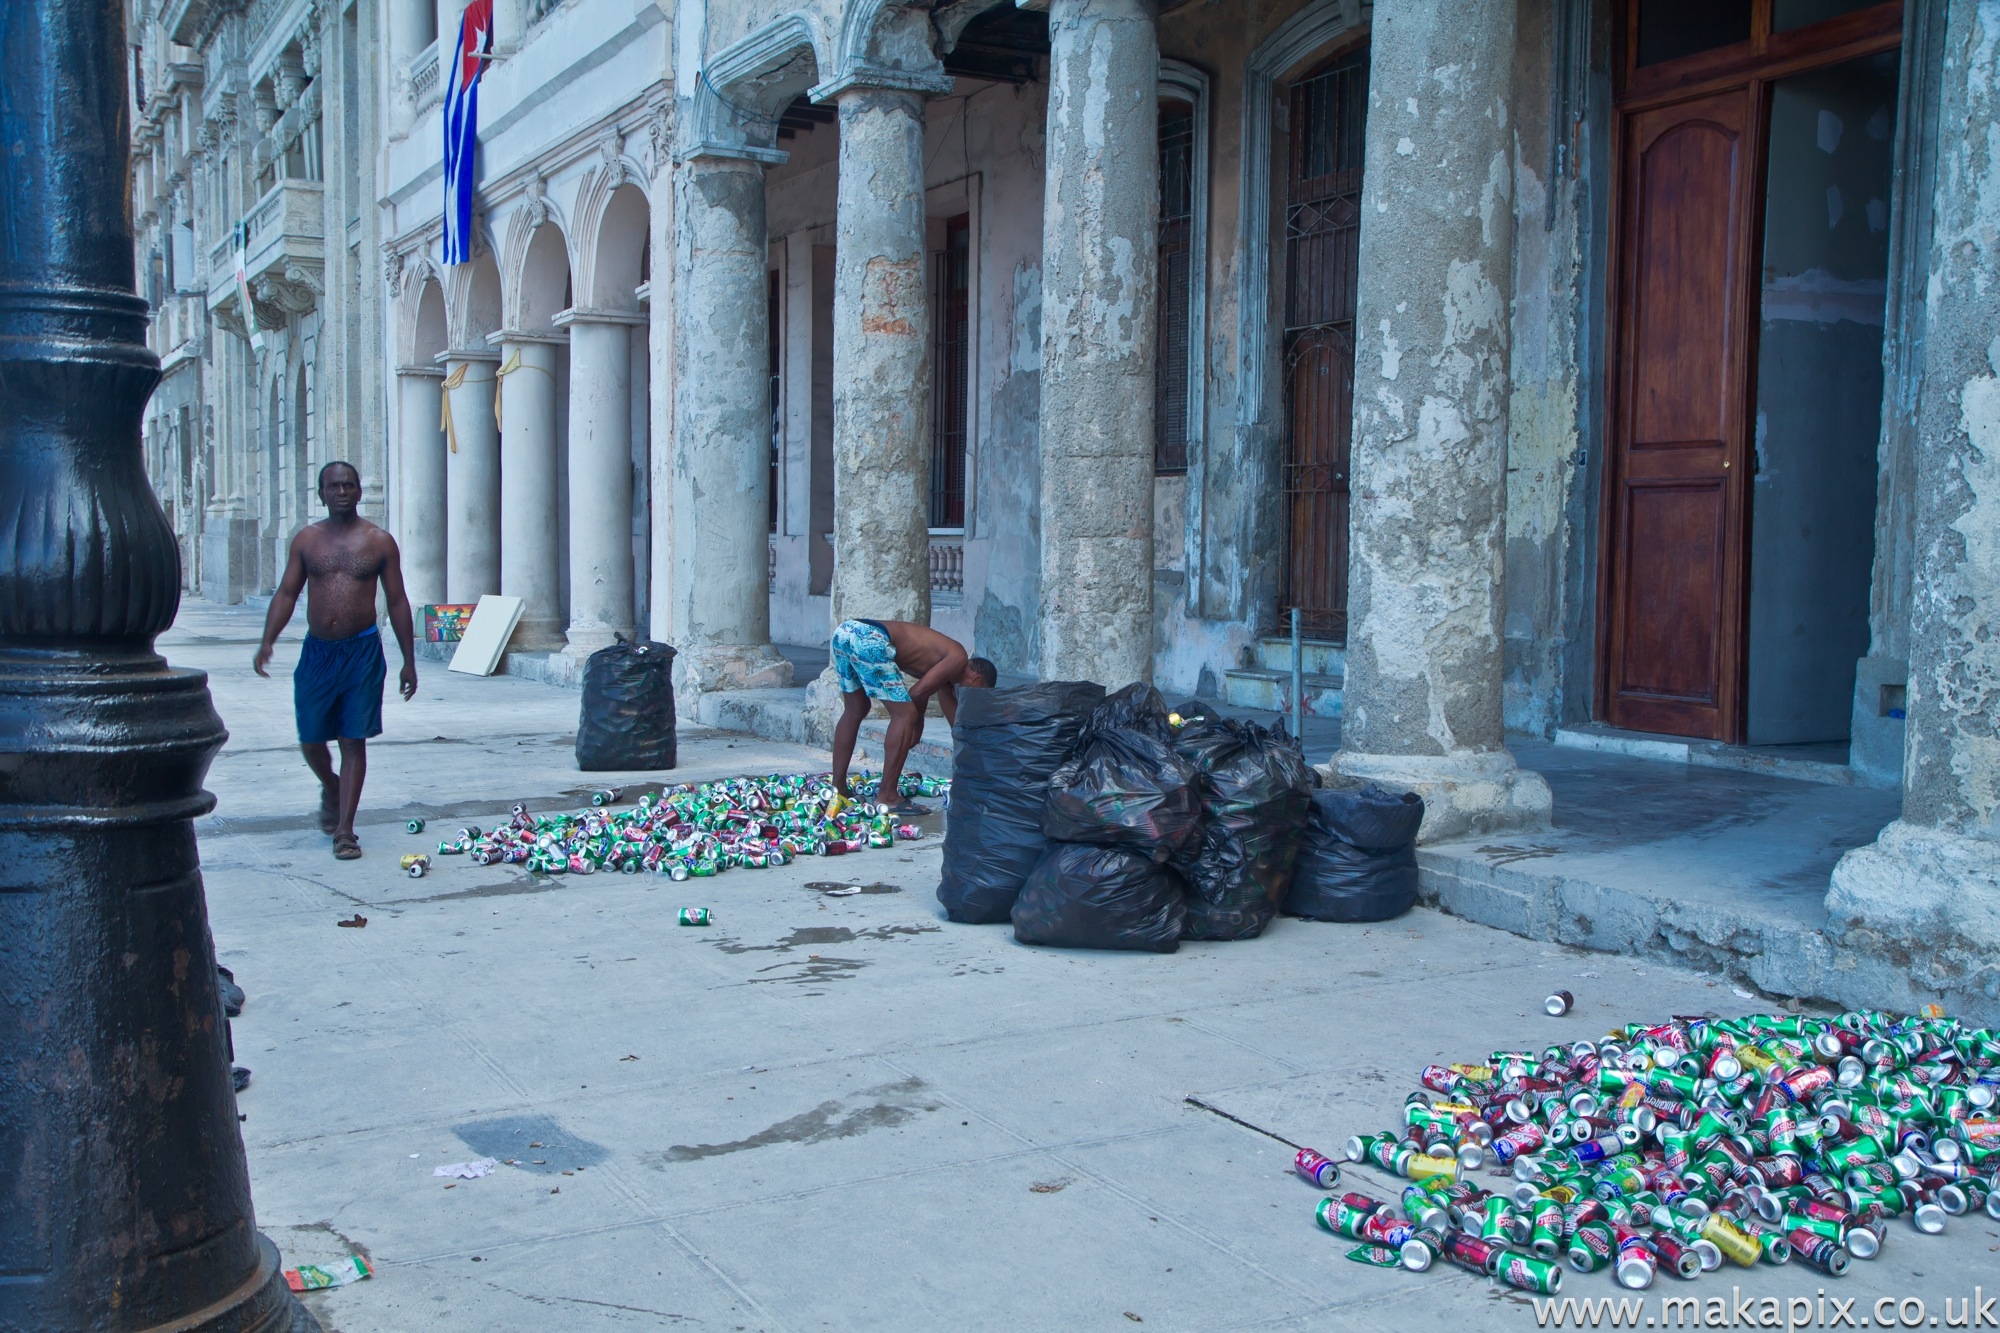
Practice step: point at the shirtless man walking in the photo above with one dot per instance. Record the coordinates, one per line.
(870, 658)
(337, 688)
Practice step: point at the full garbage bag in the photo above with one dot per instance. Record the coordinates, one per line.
(1255, 793)
(1125, 786)
(1004, 747)
(628, 707)
(1358, 858)
(1083, 896)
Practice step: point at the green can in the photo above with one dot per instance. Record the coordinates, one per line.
(1496, 1221)
(695, 916)
(1529, 1273)
(1591, 1247)
(415, 826)
(1545, 1235)
(1342, 1218)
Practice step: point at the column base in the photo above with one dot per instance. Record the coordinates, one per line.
(1927, 901)
(583, 641)
(1465, 793)
(823, 709)
(729, 666)
(537, 636)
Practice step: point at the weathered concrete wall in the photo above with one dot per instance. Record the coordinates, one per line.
(1543, 425)
(1099, 342)
(1423, 694)
(1928, 890)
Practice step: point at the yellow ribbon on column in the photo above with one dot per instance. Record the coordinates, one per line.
(513, 364)
(451, 381)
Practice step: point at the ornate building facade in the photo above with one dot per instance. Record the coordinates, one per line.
(255, 133)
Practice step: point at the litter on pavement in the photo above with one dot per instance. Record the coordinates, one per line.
(467, 1170)
(317, 1277)
(1678, 1146)
(696, 831)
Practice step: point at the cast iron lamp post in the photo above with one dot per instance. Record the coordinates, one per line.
(124, 1195)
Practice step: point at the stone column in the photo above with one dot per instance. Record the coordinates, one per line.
(1430, 420)
(420, 510)
(881, 362)
(600, 476)
(472, 482)
(1099, 341)
(1928, 889)
(529, 565)
(720, 524)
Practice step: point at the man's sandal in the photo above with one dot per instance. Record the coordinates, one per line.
(346, 847)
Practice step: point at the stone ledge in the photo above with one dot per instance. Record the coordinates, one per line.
(1774, 950)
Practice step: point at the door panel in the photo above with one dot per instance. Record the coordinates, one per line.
(1679, 425)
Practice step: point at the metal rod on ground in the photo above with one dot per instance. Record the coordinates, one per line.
(1298, 681)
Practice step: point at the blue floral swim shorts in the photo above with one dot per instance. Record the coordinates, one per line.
(864, 661)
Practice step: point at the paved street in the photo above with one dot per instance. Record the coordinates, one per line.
(825, 1113)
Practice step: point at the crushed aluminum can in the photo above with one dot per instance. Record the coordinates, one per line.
(415, 865)
(415, 826)
(696, 916)
(1558, 1004)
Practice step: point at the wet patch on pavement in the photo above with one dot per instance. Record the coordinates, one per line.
(882, 1107)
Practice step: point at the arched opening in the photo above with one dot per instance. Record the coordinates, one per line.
(620, 266)
(545, 280)
(302, 463)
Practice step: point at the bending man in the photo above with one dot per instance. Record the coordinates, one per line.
(337, 688)
(870, 659)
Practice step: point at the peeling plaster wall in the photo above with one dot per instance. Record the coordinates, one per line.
(1543, 435)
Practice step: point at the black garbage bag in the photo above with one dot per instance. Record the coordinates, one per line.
(1255, 793)
(628, 707)
(1080, 896)
(1358, 859)
(1004, 747)
(1125, 786)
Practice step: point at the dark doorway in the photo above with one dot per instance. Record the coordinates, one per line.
(1745, 377)
(1322, 248)
(1172, 372)
(951, 276)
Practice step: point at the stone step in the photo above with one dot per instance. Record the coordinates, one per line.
(1259, 687)
(1320, 657)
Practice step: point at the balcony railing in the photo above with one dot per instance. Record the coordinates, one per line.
(947, 566)
(426, 87)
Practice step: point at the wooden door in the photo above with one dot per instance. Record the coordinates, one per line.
(1322, 254)
(1676, 476)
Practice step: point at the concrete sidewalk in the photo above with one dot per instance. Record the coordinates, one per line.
(825, 1113)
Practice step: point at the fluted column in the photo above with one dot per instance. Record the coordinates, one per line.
(124, 1190)
(1423, 695)
(1928, 888)
(1099, 341)
(722, 440)
(600, 476)
(421, 507)
(530, 564)
(472, 475)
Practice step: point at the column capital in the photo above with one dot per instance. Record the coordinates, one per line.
(445, 358)
(590, 315)
(508, 336)
(421, 372)
(883, 78)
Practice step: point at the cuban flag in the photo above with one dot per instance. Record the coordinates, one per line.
(461, 127)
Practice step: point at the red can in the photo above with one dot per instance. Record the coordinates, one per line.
(1803, 1083)
(1321, 1171)
(1470, 1252)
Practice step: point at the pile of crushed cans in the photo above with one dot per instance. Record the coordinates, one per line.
(697, 831)
(1683, 1146)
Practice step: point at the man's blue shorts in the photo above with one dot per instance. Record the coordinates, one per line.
(864, 662)
(337, 688)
